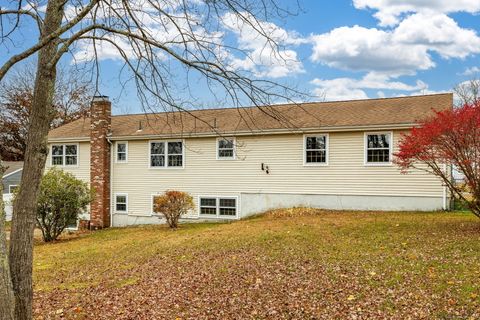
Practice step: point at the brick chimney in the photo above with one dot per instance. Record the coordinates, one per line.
(101, 118)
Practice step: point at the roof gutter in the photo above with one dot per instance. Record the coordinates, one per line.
(12, 173)
(246, 132)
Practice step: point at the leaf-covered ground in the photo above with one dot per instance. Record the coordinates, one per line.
(290, 264)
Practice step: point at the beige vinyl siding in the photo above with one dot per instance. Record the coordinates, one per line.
(82, 170)
(203, 174)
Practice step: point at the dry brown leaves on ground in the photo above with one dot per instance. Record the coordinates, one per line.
(321, 265)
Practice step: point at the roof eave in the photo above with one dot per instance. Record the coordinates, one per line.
(74, 139)
(246, 133)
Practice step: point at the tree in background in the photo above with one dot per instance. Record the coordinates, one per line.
(467, 92)
(156, 40)
(451, 138)
(71, 101)
(61, 200)
(172, 205)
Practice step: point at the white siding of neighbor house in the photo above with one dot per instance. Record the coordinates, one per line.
(82, 170)
(204, 175)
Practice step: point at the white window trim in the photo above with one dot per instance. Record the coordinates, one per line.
(218, 216)
(327, 151)
(126, 152)
(166, 154)
(115, 203)
(64, 155)
(234, 148)
(365, 149)
(10, 188)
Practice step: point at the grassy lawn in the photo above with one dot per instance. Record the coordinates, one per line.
(291, 264)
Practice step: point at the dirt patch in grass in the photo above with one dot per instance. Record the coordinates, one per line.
(289, 264)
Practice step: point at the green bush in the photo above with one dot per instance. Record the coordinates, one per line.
(61, 199)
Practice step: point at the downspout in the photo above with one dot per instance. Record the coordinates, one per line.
(111, 179)
(445, 188)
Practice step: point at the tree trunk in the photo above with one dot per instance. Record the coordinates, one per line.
(7, 300)
(21, 239)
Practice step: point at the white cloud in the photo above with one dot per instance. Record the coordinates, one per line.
(351, 88)
(401, 51)
(260, 55)
(363, 49)
(254, 53)
(185, 31)
(438, 33)
(103, 50)
(473, 71)
(389, 12)
(268, 63)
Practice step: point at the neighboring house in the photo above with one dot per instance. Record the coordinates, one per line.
(10, 180)
(12, 176)
(239, 162)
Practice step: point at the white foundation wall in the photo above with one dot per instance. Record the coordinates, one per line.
(255, 203)
(345, 183)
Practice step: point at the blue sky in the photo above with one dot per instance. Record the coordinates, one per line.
(352, 49)
(446, 54)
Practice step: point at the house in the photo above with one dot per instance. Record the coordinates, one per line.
(12, 176)
(238, 162)
(10, 180)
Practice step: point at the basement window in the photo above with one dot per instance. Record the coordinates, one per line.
(225, 149)
(122, 152)
(121, 203)
(65, 155)
(218, 207)
(378, 148)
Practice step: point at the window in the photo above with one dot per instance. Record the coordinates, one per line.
(121, 202)
(218, 207)
(57, 155)
(122, 152)
(225, 148)
(208, 206)
(166, 154)
(65, 155)
(378, 148)
(157, 154)
(175, 154)
(227, 207)
(316, 149)
(12, 188)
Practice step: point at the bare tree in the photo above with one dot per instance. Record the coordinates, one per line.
(70, 102)
(468, 92)
(157, 40)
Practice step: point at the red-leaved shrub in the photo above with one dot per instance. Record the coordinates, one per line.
(450, 138)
